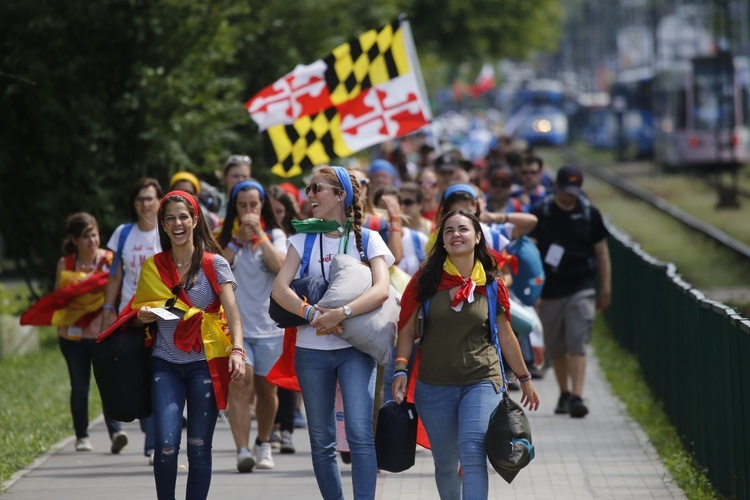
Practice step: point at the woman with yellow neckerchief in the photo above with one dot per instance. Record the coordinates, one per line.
(186, 289)
(457, 379)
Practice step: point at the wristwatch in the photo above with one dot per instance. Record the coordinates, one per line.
(347, 311)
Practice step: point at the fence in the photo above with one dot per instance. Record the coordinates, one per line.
(695, 356)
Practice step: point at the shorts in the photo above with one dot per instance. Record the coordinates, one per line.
(567, 323)
(262, 353)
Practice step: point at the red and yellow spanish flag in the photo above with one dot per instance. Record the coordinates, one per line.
(198, 329)
(364, 92)
(79, 299)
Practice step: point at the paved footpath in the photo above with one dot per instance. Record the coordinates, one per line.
(603, 456)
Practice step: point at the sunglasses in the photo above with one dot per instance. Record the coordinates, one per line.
(364, 182)
(500, 184)
(529, 172)
(238, 159)
(426, 184)
(408, 202)
(175, 291)
(318, 187)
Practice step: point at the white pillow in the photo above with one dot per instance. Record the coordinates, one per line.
(374, 332)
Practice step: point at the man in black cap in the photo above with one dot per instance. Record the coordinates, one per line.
(572, 239)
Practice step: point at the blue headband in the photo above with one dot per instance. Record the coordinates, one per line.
(247, 184)
(346, 184)
(383, 166)
(460, 188)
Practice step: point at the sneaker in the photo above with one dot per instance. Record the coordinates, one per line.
(119, 441)
(83, 444)
(563, 404)
(299, 420)
(275, 441)
(577, 408)
(151, 454)
(264, 456)
(286, 442)
(245, 460)
(346, 457)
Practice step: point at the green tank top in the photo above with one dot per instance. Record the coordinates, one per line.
(457, 349)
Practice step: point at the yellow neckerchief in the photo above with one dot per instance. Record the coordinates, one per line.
(478, 275)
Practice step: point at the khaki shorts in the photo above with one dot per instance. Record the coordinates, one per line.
(568, 323)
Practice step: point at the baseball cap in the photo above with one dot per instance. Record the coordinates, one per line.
(450, 161)
(569, 180)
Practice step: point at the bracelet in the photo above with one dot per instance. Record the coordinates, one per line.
(240, 354)
(523, 378)
(109, 307)
(400, 368)
(233, 247)
(238, 348)
(260, 241)
(399, 374)
(302, 309)
(396, 229)
(396, 218)
(406, 361)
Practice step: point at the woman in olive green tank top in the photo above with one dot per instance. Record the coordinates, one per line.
(459, 380)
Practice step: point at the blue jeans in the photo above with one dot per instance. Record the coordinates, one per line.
(456, 419)
(171, 385)
(77, 354)
(317, 372)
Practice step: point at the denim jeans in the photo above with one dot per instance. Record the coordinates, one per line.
(77, 354)
(171, 385)
(317, 372)
(456, 419)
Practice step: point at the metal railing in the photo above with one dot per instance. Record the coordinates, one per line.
(695, 356)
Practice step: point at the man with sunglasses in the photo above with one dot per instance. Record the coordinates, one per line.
(532, 190)
(237, 168)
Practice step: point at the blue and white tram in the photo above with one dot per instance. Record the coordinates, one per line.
(701, 113)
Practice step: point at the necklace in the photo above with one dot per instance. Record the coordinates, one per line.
(182, 262)
(85, 266)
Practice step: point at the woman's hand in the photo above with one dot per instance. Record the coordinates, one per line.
(236, 367)
(398, 388)
(329, 320)
(530, 398)
(145, 315)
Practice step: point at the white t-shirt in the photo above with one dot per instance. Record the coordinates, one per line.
(254, 285)
(410, 262)
(306, 335)
(139, 246)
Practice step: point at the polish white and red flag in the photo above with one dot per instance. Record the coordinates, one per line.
(364, 92)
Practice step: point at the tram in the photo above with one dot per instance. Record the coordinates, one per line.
(701, 113)
(539, 117)
(631, 103)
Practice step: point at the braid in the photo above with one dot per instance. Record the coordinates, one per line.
(356, 210)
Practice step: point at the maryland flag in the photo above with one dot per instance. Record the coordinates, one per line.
(366, 91)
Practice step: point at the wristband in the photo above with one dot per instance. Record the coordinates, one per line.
(396, 218)
(406, 361)
(238, 348)
(399, 374)
(109, 307)
(396, 229)
(523, 378)
(260, 241)
(302, 309)
(233, 247)
(400, 368)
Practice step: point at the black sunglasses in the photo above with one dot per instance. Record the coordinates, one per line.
(364, 182)
(175, 291)
(408, 202)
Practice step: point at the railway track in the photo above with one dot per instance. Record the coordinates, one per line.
(626, 186)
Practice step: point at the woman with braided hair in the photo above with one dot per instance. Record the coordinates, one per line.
(321, 357)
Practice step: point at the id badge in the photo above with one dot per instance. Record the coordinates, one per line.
(75, 332)
(554, 255)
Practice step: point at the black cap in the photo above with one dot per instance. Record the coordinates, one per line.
(450, 161)
(569, 180)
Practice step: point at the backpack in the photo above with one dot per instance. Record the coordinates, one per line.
(417, 245)
(120, 246)
(528, 283)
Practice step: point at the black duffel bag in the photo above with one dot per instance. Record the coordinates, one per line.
(508, 439)
(123, 373)
(309, 288)
(396, 436)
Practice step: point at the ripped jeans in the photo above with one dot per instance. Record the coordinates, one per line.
(171, 385)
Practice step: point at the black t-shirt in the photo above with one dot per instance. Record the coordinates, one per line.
(576, 232)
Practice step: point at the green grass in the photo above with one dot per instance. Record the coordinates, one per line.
(623, 373)
(35, 410)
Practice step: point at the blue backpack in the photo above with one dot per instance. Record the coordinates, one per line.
(120, 246)
(527, 284)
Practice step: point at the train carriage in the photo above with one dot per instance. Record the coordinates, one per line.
(700, 111)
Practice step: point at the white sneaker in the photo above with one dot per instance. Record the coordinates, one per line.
(151, 456)
(264, 456)
(245, 460)
(119, 441)
(83, 444)
(275, 441)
